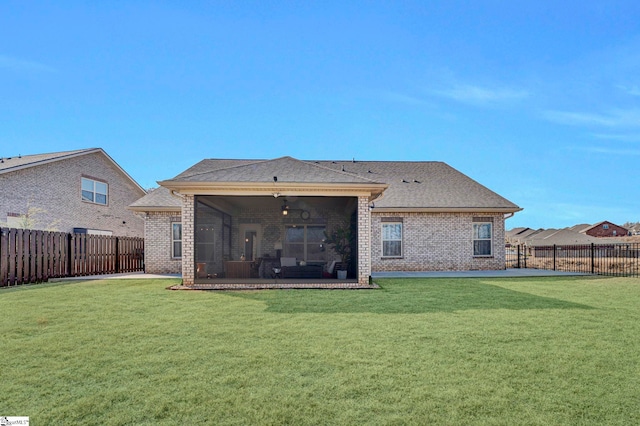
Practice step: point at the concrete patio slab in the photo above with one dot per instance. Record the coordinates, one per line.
(503, 273)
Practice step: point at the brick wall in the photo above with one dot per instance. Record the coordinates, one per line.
(157, 253)
(437, 242)
(188, 243)
(54, 189)
(431, 241)
(364, 240)
(612, 230)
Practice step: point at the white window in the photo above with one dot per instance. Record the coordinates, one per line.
(94, 191)
(176, 239)
(605, 226)
(305, 242)
(482, 238)
(392, 239)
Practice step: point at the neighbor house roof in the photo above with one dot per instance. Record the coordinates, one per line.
(581, 227)
(12, 164)
(407, 185)
(559, 237)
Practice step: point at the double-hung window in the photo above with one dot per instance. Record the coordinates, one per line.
(305, 242)
(391, 239)
(95, 191)
(482, 236)
(176, 239)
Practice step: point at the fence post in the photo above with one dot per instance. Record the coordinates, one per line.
(554, 256)
(69, 258)
(4, 257)
(593, 258)
(117, 255)
(518, 256)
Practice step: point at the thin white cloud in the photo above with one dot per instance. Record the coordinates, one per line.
(22, 65)
(608, 151)
(615, 118)
(617, 137)
(471, 94)
(633, 90)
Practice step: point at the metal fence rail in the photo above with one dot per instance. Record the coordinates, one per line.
(616, 259)
(30, 256)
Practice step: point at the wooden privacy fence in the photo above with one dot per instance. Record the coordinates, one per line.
(29, 256)
(617, 259)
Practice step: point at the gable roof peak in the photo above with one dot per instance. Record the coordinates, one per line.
(11, 164)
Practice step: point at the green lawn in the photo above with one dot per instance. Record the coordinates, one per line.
(417, 351)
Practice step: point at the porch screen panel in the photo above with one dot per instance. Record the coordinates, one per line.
(294, 242)
(210, 241)
(315, 239)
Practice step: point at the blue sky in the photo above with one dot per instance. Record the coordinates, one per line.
(539, 100)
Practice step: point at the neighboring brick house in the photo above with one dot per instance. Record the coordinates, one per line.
(605, 229)
(83, 190)
(406, 216)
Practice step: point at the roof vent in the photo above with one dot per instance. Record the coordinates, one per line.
(416, 181)
(405, 181)
(343, 168)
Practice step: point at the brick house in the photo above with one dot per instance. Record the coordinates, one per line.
(221, 218)
(83, 190)
(605, 229)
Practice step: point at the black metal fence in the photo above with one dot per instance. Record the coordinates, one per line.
(29, 256)
(617, 259)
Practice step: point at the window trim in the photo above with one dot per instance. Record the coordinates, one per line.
(382, 239)
(94, 191)
(173, 241)
(482, 221)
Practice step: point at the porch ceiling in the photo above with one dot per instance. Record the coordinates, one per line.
(267, 202)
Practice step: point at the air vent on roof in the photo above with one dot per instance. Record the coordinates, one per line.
(405, 181)
(343, 168)
(416, 181)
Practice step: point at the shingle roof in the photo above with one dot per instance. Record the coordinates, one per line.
(286, 169)
(157, 199)
(411, 184)
(8, 164)
(421, 184)
(581, 227)
(559, 237)
(11, 164)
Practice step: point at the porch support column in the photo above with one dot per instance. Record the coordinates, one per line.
(188, 237)
(364, 240)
